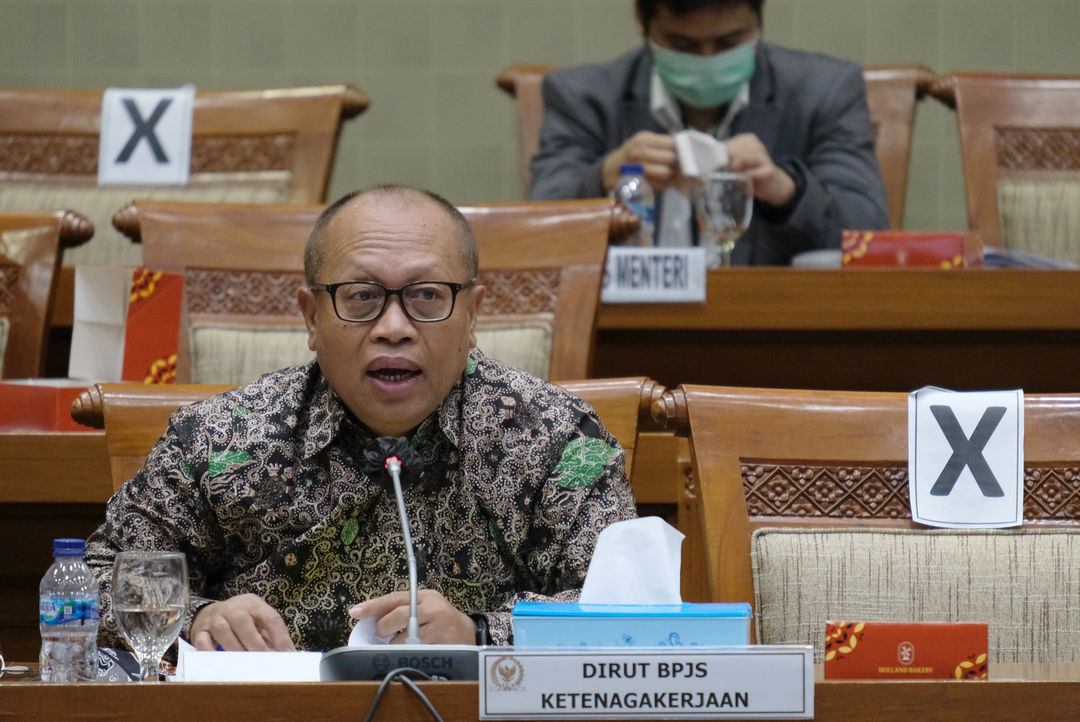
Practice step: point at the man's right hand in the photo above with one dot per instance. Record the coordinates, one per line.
(654, 151)
(242, 623)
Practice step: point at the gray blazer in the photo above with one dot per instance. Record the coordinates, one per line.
(809, 111)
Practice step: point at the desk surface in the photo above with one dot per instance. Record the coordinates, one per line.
(1018, 691)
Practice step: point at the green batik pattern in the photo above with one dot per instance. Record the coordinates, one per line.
(349, 531)
(582, 461)
(241, 411)
(470, 366)
(222, 461)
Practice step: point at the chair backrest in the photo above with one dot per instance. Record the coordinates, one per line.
(522, 81)
(793, 486)
(891, 95)
(542, 265)
(891, 92)
(135, 415)
(1020, 142)
(31, 249)
(247, 146)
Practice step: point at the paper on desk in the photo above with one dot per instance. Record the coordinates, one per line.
(636, 562)
(193, 665)
(699, 153)
(364, 634)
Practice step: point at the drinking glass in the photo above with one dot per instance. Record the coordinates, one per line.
(150, 595)
(723, 202)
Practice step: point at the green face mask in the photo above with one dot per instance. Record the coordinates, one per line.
(705, 81)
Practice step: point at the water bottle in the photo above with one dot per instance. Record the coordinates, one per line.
(636, 194)
(68, 615)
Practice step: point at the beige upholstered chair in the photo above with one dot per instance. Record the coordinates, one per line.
(31, 249)
(804, 505)
(1020, 140)
(262, 146)
(541, 263)
(891, 90)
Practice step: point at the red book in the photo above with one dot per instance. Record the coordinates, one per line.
(906, 650)
(916, 249)
(152, 328)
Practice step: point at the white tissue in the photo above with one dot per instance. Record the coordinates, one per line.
(364, 634)
(636, 562)
(699, 153)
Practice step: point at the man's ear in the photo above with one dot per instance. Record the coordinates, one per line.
(476, 296)
(305, 297)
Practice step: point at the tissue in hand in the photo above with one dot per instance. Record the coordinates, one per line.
(631, 598)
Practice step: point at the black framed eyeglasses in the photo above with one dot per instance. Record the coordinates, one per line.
(424, 301)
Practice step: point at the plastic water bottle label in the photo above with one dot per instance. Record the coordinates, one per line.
(644, 212)
(55, 611)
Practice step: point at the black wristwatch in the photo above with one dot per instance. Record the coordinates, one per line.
(481, 629)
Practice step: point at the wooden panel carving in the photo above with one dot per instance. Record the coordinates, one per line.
(229, 292)
(848, 492)
(880, 491)
(1024, 149)
(520, 292)
(52, 153)
(71, 154)
(8, 276)
(229, 153)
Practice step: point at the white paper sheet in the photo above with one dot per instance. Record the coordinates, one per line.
(196, 666)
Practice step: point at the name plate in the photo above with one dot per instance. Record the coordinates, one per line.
(754, 682)
(654, 275)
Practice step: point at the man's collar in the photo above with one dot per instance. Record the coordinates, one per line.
(665, 109)
(327, 413)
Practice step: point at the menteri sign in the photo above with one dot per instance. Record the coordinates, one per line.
(754, 682)
(654, 275)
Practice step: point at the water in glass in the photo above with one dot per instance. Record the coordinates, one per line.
(150, 595)
(723, 202)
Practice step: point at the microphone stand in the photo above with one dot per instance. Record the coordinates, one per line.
(412, 634)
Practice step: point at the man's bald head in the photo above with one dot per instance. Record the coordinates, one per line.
(314, 252)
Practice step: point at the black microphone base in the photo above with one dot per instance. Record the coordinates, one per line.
(364, 664)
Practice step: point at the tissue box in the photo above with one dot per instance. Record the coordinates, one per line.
(551, 624)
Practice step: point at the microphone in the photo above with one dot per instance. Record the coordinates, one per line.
(391, 462)
(394, 457)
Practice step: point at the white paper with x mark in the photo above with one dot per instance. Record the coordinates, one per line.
(966, 457)
(146, 136)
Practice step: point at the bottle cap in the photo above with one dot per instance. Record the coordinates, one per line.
(68, 547)
(631, 169)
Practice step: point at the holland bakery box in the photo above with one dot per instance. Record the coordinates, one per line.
(571, 624)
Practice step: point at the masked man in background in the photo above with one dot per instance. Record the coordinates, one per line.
(796, 122)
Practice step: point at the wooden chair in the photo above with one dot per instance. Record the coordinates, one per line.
(1020, 142)
(891, 94)
(135, 415)
(542, 264)
(260, 146)
(31, 249)
(803, 502)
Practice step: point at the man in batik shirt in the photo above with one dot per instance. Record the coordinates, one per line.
(288, 540)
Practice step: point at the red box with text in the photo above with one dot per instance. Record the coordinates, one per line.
(906, 650)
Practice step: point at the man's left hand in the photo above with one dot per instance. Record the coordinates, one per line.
(439, 621)
(747, 155)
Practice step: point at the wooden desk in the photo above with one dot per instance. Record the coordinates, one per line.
(52, 484)
(1037, 692)
(883, 330)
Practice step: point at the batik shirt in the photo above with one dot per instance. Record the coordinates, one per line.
(264, 489)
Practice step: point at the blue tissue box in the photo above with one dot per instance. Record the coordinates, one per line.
(554, 624)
